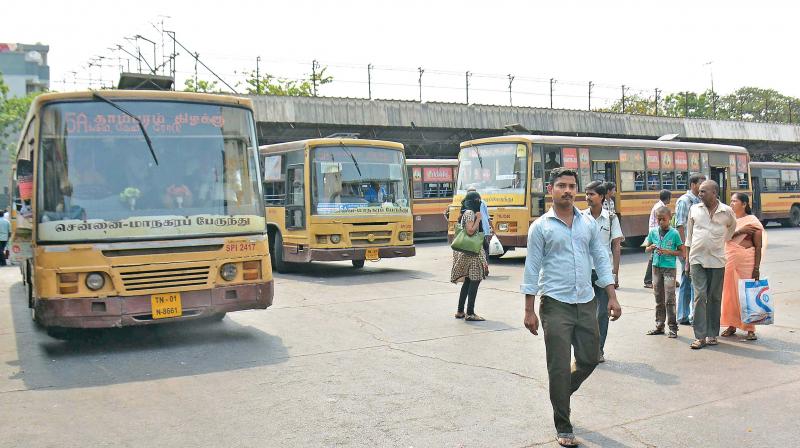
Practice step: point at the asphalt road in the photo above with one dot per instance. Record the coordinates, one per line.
(375, 358)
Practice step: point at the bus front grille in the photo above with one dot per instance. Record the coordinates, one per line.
(375, 238)
(165, 278)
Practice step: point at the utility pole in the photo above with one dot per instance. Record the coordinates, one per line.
(467, 76)
(314, 65)
(552, 81)
(590, 95)
(510, 81)
(369, 81)
(657, 91)
(196, 58)
(623, 98)
(421, 71)
(258, 76)
(713, 95)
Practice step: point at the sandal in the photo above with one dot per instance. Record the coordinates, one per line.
(655, 331)
(672, 334)
(711, 341)
(751, 336)
(460, 315)
(567, 439)
(730, 331)
(474, 318)
(697, 344)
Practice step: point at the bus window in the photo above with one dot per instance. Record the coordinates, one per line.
(681, 180)
(789, 180)
(632, 174)
(537, 176)
(274, 180)
(772, 179)
(552, 158)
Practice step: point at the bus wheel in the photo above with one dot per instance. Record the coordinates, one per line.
(358, 264)
(497, 257)
(794, 216)
(633, 241)
(278, 264)
(218, 317)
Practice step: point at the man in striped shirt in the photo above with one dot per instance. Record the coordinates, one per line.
(685, 202)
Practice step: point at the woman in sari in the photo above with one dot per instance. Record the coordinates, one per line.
(743, 254)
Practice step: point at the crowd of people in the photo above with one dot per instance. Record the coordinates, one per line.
(573, 260)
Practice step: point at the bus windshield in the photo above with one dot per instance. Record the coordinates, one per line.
(98, 180)
(497, 171)
(359, 180)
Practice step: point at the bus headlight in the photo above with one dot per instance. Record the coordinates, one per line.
(336, 239)
(503, 227)
(404, 236)
(95, 281)
(228, 271)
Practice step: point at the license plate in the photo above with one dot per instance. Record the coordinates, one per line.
(166, 305)
(372, 253)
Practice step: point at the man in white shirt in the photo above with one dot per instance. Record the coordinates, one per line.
(612, 237)
(711, 224)
(665, 196)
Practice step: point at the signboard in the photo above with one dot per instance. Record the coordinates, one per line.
(732, 163)
(694, 162)
(570, 157)
(681, 162)
(148, 226)
(416, 174)
(584, 158)
(437, 174)
(652, 159)
(741, 162)
(631, 160)
(666, 161)
(272, 168)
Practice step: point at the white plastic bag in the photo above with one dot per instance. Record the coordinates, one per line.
(495, 247)
(755, 301)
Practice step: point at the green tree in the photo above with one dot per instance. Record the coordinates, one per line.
(12, 117)
(202, 86)
(271, 85)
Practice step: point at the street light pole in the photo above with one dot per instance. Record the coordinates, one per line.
(510, 81)
(713, 95)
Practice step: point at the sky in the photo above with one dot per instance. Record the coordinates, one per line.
(673, 46)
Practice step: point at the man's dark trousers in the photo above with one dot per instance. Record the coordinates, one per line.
(567, 326)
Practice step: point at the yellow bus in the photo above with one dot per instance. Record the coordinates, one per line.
(776, 195)
(432, 185)
(139, 207)
(509, 172)
(336, 199)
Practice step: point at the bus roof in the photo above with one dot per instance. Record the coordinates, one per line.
(301, 144)
(143, 95)
(776, 165)
(432, 162)
(599, 141)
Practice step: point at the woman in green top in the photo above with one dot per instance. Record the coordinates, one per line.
(665, 244)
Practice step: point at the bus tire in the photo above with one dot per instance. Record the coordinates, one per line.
(218, 317)
(633, 241)
(794, 216)
(358, 264)
(278, 264)
(497, 257)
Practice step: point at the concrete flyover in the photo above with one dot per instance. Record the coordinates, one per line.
(436, 129)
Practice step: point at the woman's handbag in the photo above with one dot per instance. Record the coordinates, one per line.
(463, 242)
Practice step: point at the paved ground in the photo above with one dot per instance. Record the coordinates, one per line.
(375, 358)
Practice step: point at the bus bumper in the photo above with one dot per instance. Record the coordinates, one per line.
(356, 253)
(118, 311)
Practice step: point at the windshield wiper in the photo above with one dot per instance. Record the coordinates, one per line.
(478, 153)
(141, 126)
(355, 162)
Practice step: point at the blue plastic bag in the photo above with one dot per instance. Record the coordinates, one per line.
(756, 302)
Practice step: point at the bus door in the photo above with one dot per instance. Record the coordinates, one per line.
(720, 176)
(756, 196)
(607, 171)
(295, 198)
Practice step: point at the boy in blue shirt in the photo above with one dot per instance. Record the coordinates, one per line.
(665, 244)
